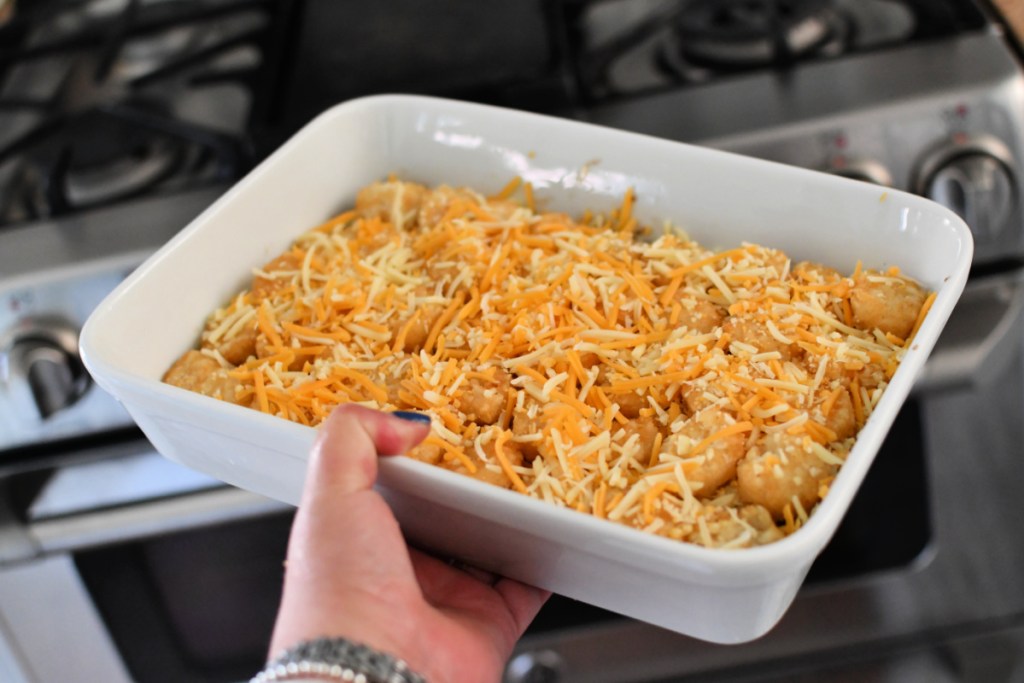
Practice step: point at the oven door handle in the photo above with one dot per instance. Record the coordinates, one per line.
(980, 338)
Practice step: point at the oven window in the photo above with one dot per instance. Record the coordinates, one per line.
(196, 606)
(888, 524)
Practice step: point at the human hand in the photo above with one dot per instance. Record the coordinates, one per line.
(349, 572)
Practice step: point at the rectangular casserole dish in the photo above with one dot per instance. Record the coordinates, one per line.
(720, 199)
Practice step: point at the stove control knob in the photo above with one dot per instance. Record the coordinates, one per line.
(41, 367)
(974, 177)
(862, 169)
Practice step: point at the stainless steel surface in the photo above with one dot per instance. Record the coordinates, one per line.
(976, 177)
(149, 519)
(50, 629)
(52, 275)
(981, 337)
(768, 101)
(140, 108)
(867, 170)
(39, 359)
(130, 474)
(889, 109)
(15, 543)
(87, 240)
(27, 310)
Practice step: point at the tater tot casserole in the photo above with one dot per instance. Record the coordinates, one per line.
(620, 370)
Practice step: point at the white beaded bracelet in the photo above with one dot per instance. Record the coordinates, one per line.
(337, 659)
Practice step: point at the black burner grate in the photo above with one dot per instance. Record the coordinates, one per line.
(135, 101)
(144, 97)
(626, 47)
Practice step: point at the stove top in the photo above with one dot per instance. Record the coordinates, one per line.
(103, 101)
(625, 48)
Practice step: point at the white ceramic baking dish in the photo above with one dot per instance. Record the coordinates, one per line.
(720, 199)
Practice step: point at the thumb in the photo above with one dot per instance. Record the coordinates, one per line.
(346, 554)
(344, 456)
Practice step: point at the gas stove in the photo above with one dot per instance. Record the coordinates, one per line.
(105, 101)
(627, 48)
(121, 120)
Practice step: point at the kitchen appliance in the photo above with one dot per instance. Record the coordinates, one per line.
(108, 552)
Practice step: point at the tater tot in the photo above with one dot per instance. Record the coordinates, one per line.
(646, 431)
(808, 272)
(415, 326)
(630, 403)
(780, 469)
(757, 335)
(490, 471)
(750, 525)
(841, 418)
(889, 304)
(237, 350)
(528, 424)
(427, 452)
(699, 315)
(715, 465)
(198, 372)
(383, 199)
(284, 268)
(482, 400)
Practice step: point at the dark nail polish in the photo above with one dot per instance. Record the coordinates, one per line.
(411, 416)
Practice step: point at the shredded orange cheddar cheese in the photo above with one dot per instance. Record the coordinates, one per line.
(706, 396)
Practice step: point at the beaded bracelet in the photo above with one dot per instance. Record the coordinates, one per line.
(337, 659)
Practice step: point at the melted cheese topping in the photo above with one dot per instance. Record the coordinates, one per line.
(653, 382)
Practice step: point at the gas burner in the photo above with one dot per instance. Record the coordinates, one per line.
(635, 46)
(744, 34)
(99, 158)
(106, 100)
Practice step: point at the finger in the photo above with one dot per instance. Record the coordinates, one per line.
(435, 577)
(445, 582)
(344, 456)
(504, 604)
(346, 555)
(484, 577)
(339, 512)
(523, 602)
